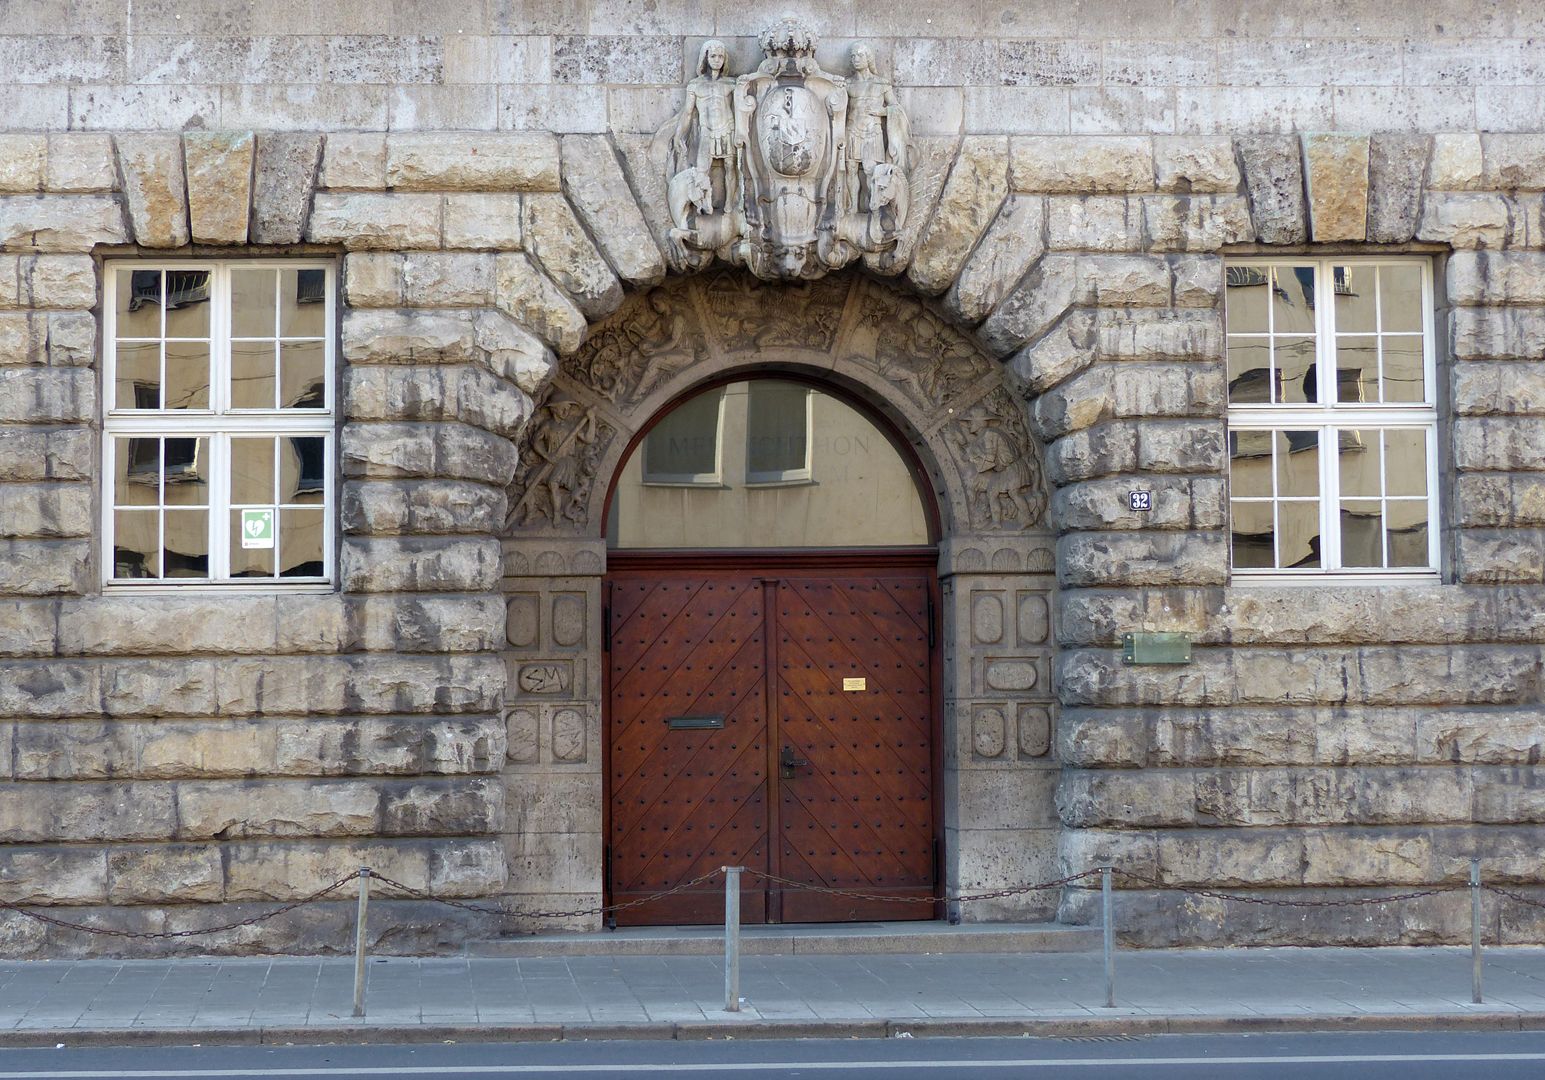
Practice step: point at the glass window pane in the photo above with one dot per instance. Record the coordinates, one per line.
(139, 303)
(1251, 524)
(302, 469)
(187, 375)
(1245, 299)
(300, 543)
(1400, 288)
(1405, 462)
(187, 303)
(1298, 535)
(252, 472)
(185, 470)
(1250, 464)
(1403, 377)
(1296, 373)
(1406, 534)
(1298, 463)
(138, 379)
(136, 543)
(185, 544)
(684, 445)
(300, 367)
(1362, 533)
(137, 472)
(252, 303)
(1359, 462)
(252, 374)
(302, 303)
(248, 562)
(777, 429)
(1293, 299)
(1249, 371)
(1357, 368)
(1356, 293)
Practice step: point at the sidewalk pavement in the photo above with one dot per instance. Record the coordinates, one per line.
(291, 999)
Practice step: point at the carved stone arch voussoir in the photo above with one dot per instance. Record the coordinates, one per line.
(962, 410)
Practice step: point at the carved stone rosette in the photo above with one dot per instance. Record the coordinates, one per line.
(789, 170)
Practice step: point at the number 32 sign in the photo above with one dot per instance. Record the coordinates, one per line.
(1140, 500)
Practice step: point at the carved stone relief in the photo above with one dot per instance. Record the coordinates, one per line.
(998, 463)
(560, 452)
(745, 315)
(630, 356)
(789, 170)
(911, 346)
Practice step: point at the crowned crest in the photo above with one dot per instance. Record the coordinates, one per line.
(788, 170)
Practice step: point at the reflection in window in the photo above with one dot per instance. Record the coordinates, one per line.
(794, 467)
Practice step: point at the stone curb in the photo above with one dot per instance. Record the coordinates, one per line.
(701, 1030)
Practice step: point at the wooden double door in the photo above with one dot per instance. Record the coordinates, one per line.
(777, 717)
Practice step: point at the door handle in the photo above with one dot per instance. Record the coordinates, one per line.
(787, 763)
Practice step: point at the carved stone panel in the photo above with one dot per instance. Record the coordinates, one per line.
(561, 448)
(914, 348)
(998, 463)
(650, 340)
(745, 314)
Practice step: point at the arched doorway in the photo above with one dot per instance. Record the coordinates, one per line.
(957, 421)
(771, 699)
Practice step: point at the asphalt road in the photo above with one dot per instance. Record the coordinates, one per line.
(1366, 1056)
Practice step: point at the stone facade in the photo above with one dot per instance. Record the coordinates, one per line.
(494, 188)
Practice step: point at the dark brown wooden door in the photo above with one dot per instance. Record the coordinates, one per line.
(780, 720)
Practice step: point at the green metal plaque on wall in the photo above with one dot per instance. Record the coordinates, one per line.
(1165, 648)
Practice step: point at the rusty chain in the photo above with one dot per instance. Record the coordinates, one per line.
(1263, 901)
(855, 894)
(600, 909)
(106, 931)
(1517, 896)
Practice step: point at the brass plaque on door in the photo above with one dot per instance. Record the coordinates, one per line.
(855, 684)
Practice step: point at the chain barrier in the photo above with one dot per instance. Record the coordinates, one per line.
(1263, 901)
(599, 909)
(1515, 896)
(854, 894)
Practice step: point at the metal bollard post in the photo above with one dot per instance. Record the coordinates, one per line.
(1475, 931)
(1110, 938)
(732, 938)
(359, 942)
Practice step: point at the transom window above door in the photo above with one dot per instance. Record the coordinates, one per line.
(766, 463)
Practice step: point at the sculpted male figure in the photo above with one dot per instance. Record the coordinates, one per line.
(876, 129)
(710, 108)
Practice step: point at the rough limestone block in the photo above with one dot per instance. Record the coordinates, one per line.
(372, 279)
(1336, 168)
(419, 564)
(1465, 220)
(286, 177)
(1485, 444)
(511, 351)
(1081, 164)
(1039, 301)
(46, 454)
(447, 279)
(384, 336)
(1195, 223)
(81, 162)
(423, 507)
(1501, 556)
(372, 221)
(1457, 162)
(60, 222)
(54, 875)
(1178, 503)
(1274, 181)
(219, 179)
(556, 240)
(526, 294)
(274, 808)
(1397, 165)
(57, 281)
(644, 163)
(1061, 353)
(976, 188)
(1513, 162)
(47, 395)
(1158, 334)
(1508, 388)
(44, 567)
(156, 189)
(930, 168)
(54, 813)
(483, 222)
(465, 392)
(1014, 241)
(166, 874)
(354, 161)
(23, 162)
(1094, 223)
(599, 193)
(1492, 277)
(45, 510)
(1195, 164)
(1141, 559)
(511, 161)
(450, 450)
(1122, 280)
(1496, 333)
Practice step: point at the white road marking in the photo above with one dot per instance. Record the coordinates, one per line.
(958, 1066)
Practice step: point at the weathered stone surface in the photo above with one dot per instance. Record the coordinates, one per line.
(556, 240)
(276, 808)
(166, 873)
(418, 564)
(1014, 241)
(57, 281)
(1500, 500)
(1178, 503)
(1275, 184)
(1196, 164)
(372, 279)
(1505, 444)
(354, 161)
(377, 683)
(1457, 162)
(930, 169)
(465, 392)
(490, 338)
(1062, 352)
(1081, 164)
(28, 628)
(45, 510)
(1513, 162)
(52, 395)
(23, 161)
(425, 624)
(428, 507)
(1499, 389)
(46, 453)
(1196, 223)
(644, 163)
(60, 222)
(1496, 333)
(447, 279)
(971, 197)
(1197, 558)
(383, 222)
(1501, 557)
(1336, 168)
(286, 177)
(80, 162)
(533, 300)
(1483, 277)
(1464, 220)
(157, 192)
(1038, 302)
(219, 179)
(54, 875)
(1397, 165)
(461, 868)
(54, 813)
(508, 161)
(1106, 391)
(483, 221)
(599, 193)
(1122, 280)
(1094, 223)
(449, 450)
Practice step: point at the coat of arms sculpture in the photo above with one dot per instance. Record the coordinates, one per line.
(788, 170)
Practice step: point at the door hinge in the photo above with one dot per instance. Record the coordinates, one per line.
(932, 616)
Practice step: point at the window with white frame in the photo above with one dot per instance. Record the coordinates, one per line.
(778, 430)
(218, 427)
(686, 446)
(1332, 417)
